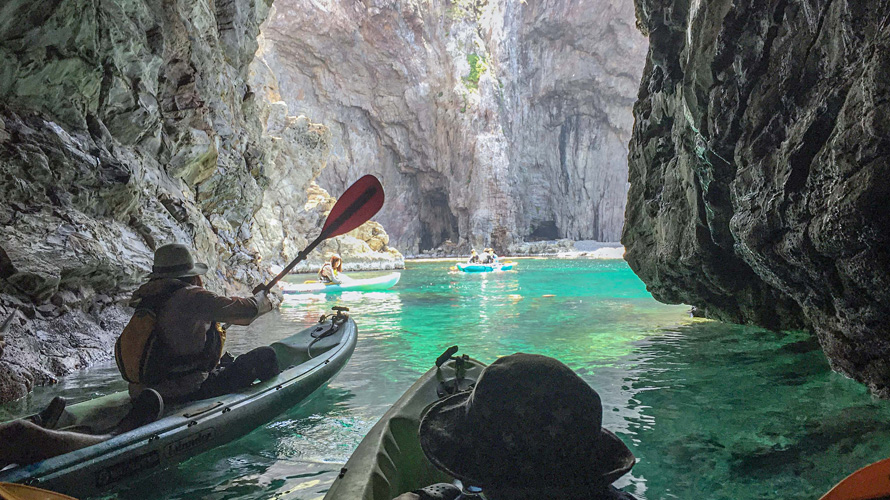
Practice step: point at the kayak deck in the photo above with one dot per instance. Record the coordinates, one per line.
(389, 460)
(369, 284)
(308, 360)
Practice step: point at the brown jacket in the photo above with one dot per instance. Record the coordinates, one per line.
(182, 325)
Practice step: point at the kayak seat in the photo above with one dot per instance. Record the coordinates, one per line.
(95, 416)
(296, 351)
(401, 464)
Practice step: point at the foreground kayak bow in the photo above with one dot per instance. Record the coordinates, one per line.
(389, 461)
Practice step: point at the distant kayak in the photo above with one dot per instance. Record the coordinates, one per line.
(309, 359)
(485, 268)
(361, 285)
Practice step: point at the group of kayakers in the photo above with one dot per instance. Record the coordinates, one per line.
(529, 429)
(488, 257)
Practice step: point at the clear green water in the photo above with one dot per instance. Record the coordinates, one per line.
(711, 410)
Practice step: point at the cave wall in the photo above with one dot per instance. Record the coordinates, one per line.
(124, 125)
(518, 111)
(757, 168)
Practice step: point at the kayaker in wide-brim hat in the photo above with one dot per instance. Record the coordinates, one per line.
(531, 428)
(174, 343)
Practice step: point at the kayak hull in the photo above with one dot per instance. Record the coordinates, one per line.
(483, 268)
(389, 460)
(360, 285)
(192, 428)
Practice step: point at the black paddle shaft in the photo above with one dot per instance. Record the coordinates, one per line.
(325, 234)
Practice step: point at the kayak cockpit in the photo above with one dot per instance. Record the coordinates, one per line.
(389, 460)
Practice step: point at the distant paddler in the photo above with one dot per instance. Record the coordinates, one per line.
(474, 257)
(330, 271)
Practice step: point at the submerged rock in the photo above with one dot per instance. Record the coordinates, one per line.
(757, 169)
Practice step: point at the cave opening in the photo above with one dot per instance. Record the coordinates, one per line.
(437, 222)
(546, 230)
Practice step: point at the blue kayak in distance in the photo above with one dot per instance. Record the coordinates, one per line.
(484, 268)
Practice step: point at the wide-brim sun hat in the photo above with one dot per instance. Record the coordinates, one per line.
(175, 260)
(529, 422)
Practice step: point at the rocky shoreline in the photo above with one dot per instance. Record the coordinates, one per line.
(564, 248)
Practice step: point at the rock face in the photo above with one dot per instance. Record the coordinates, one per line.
(124, 125)
(757, 169)
(489, 122)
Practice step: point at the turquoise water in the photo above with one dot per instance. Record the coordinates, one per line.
(711, 410)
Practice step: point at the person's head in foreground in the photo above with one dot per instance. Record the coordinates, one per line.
(530, 429)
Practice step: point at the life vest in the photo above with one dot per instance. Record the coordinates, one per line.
(142, 356)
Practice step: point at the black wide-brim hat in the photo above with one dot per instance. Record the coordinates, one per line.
(530, 422)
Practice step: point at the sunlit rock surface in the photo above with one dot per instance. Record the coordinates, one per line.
(758, 169)
(489, 122)
(125, 125)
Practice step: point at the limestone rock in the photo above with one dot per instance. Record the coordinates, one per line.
(757, 169)
(488, 122)
(125, 125)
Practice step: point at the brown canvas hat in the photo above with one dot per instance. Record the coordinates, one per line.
(529, 422)
(175, 261)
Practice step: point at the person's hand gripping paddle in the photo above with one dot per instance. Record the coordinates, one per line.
(357, 205)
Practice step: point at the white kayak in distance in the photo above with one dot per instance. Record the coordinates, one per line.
(347, 284)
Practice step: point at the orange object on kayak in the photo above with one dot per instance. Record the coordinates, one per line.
(868, 483)
(12, 491)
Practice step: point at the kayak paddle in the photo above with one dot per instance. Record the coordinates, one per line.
(360, 202)
(871, 482)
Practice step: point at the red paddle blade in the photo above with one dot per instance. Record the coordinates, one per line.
(868, 483)
(359, 203)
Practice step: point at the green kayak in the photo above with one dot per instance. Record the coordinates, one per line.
(309, 359)
(389, 461)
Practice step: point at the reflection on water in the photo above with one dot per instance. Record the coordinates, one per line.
(710, 410)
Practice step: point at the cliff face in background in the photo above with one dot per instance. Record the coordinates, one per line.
(124, 125)
(490, 122)
(758, 169)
